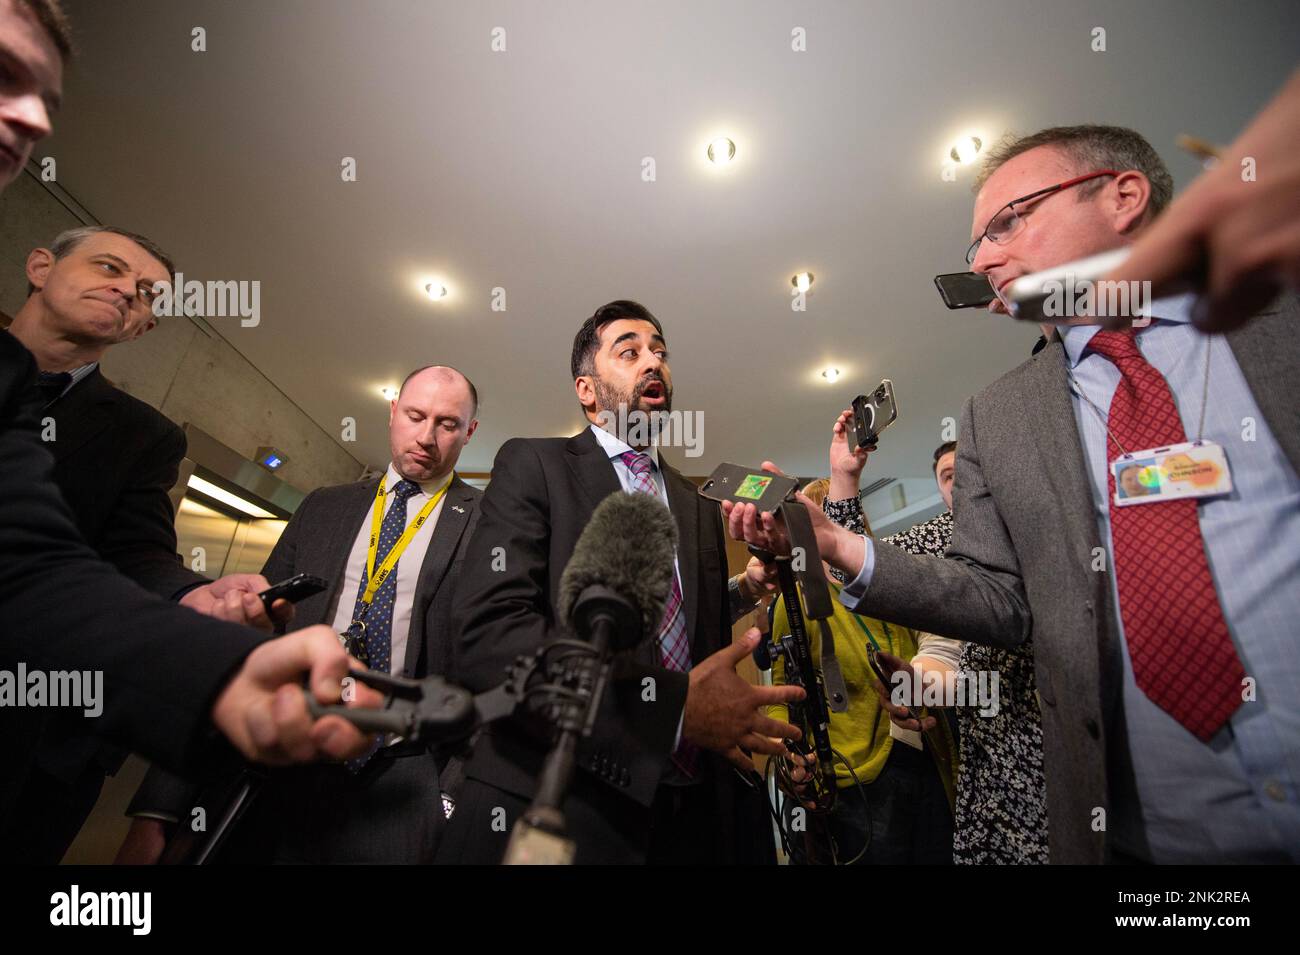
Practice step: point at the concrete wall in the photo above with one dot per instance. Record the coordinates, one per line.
(182, 367)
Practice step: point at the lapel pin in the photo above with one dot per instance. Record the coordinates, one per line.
(458, 509)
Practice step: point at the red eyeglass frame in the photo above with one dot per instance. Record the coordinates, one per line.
(973, 250)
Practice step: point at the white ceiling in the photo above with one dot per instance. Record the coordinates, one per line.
(522, 170)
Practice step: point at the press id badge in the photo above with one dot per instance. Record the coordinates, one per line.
(1193, 469)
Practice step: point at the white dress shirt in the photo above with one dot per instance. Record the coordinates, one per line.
(408, 566)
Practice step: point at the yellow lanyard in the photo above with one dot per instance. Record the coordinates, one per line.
(375, 577)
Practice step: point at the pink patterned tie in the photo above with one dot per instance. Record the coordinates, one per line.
(674, 642)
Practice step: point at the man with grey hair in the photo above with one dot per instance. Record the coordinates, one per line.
(116, 459)
(68, 609)
(1162, 628)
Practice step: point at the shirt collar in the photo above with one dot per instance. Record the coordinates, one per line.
(1172, 308)
(428, 488)
(83, 371)
(614, 446)
(72, 377)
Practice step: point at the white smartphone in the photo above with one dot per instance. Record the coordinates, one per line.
(1055, 295)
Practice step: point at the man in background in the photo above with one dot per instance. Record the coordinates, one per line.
(389, 807)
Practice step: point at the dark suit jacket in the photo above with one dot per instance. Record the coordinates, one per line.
(320, 536)
(391, 811)
(1021, 558)
(61, 607)
(115, 460)
(541, 495)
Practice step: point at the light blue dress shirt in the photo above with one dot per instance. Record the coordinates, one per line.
(616, 448)
(1236, 798)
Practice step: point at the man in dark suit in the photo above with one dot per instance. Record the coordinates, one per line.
(116, 459)
(390, 810)
(657, 779)
(169, 676)
(1158, 746)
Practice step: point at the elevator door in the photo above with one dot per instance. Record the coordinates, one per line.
(216, 543)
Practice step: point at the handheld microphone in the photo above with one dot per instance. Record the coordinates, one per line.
(627, 548)
(612, 596)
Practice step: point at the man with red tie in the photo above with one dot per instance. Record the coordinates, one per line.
(1163, 623)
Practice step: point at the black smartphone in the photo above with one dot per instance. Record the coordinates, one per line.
(294, 589)
(887, 678)
(964, 289)
(742, 485)
(872, 414)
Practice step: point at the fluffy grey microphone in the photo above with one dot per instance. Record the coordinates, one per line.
(628, 546)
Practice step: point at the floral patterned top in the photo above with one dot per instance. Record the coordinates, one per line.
(1001, 815)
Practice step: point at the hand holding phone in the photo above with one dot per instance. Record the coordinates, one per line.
(742, 485)
(293, 589)
(884, 667)
(872, 414)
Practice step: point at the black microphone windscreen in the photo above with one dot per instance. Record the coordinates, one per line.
(628, 546)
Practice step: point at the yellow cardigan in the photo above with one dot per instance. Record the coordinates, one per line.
(861, 733)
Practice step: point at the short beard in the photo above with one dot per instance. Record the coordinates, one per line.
(608, 399)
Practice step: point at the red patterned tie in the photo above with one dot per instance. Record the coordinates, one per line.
(1183, 657)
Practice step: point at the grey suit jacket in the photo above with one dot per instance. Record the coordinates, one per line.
(1021, 559)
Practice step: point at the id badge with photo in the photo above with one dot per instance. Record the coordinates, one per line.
(1191, 469)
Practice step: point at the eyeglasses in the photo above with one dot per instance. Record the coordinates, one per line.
(1006, 221)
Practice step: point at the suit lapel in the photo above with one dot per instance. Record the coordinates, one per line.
(684, 504)
(84, 413)
(1266, 352)
(1047, 410)
(594, 471)
(453, 516)
(596, 474)
(348, 520)
(1045, 405)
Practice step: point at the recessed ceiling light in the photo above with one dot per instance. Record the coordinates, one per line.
(435, 290)
(802, 281)
(831, 375)
(722, 151)
(966, 149)
(389, 392)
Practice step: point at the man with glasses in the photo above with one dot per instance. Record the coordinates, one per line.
(1163, 628)
(1007, 221)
